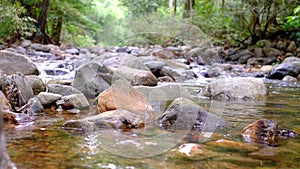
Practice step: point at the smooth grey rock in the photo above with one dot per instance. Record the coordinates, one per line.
(184, 114)
(235, 88)
(122, 59)
(77, 101)
(289, 79)
(120, 119)
(33, 107)
(63, 90)
(284, 69)
(72, 51)
(92, 78)
(11, 63)
(135, 76)
(36, 83)
(178, 74)
(47, 98)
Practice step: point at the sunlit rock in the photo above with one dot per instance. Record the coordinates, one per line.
(120, 119)
(122, 97)
(235, 88)
(190, 149)
(48, 98)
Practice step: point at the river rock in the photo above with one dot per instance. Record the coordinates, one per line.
(178, 74)
(289, 79)
(5, 162)
(16, 89)
(292, 47)
(200, 56)
(123, 97)
(164, 92)
(36, 83)
(119, 119)
(190, 149)
(77, 101)
(235, 88)
(92, 78)
(164, 53)
(135, 76)
(72, 51)
(63, 90)
(48, 98)
(184, 114)
(155, 67)
(122, 59)
(11, 63)
(244, 53)
(33, 107)
(290, 66)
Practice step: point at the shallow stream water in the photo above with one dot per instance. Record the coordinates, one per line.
(46, 145)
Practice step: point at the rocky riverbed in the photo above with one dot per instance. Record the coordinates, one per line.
(167, 96)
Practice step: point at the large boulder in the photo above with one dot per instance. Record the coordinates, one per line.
(135, 76)
(185, 114)
(290, 66)
(17, 89)
(11, 63)
(120, 119)
(235, 88)
(92, 78)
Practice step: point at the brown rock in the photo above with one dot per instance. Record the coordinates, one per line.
(120, 97)
(261, 131)
(164, 53)
(292, 47)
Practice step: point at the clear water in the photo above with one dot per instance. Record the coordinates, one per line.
(45, 145)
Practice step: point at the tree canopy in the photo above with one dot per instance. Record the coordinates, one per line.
(99, 22)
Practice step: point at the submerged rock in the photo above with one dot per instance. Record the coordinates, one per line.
(119, 119)
(185, 114)
(265, 131)
(235, 88)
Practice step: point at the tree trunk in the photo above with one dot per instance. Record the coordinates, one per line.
(42, 36)
(188, 5)
(56, 30)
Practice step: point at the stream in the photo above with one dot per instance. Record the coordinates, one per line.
(45, 144)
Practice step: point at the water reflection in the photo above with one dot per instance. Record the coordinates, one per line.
(31, 147)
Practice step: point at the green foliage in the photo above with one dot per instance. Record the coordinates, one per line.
(12, 24)
(293, 22)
